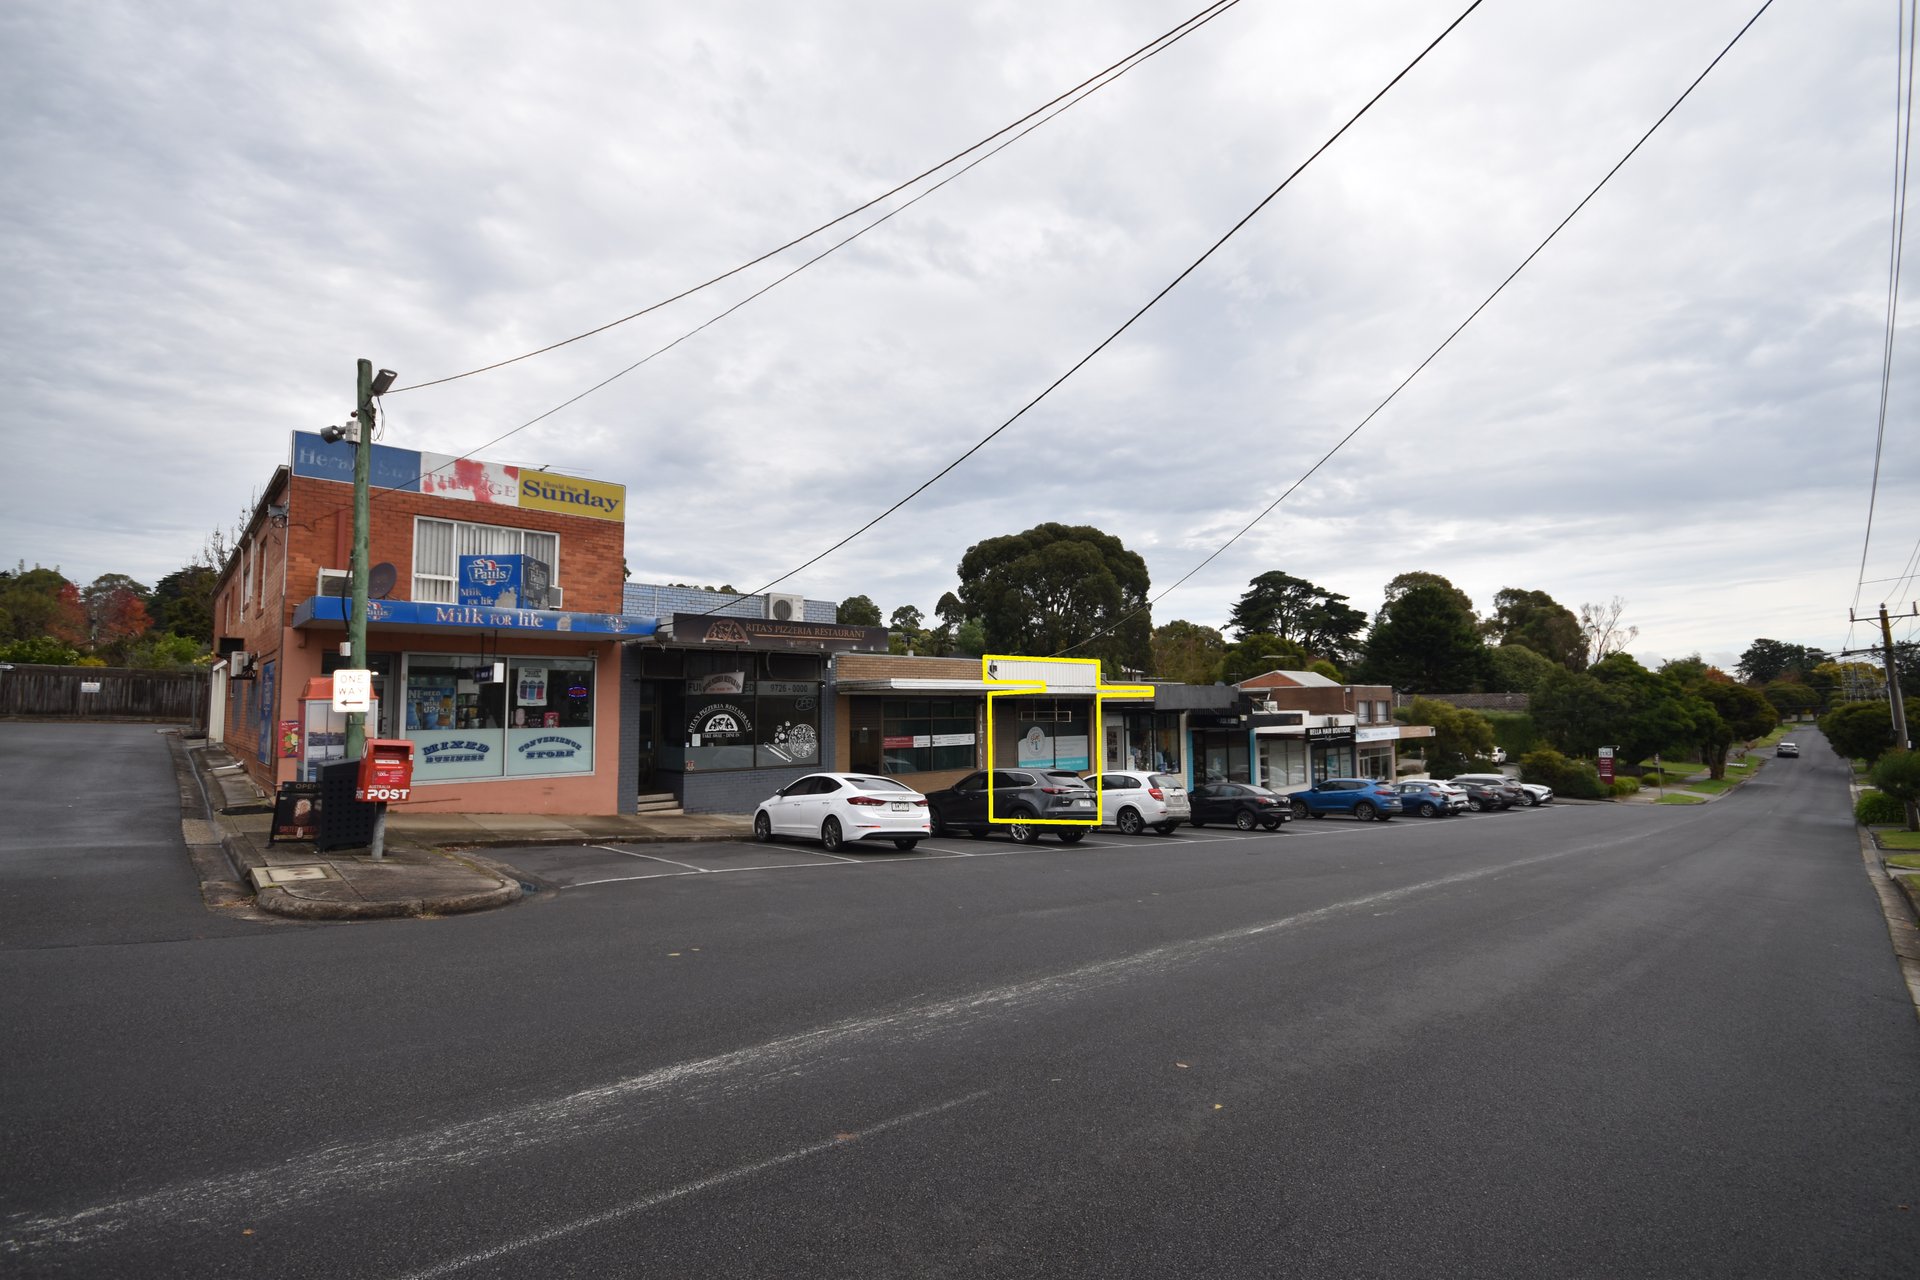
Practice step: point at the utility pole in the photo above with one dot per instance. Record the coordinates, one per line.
(1901, 735)
(362, 517)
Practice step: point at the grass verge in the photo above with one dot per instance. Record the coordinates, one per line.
(1680, 800)
(1895, 838)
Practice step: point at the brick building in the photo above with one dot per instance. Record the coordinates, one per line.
(493, 630)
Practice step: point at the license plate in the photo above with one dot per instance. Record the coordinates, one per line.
(899, 806)
(1082, 804)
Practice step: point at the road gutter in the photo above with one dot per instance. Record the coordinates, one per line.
(1899, 914)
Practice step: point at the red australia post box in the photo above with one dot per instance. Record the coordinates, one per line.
(386, 770)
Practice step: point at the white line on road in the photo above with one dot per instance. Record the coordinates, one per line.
(650, 857)
(380, 1165)
(686, 1189)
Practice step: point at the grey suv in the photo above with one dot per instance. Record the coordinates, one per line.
(1017, 794)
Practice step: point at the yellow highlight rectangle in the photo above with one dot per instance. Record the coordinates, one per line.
(1096, 741)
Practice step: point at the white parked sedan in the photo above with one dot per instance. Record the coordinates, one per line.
(1133, 800)
(835, 808)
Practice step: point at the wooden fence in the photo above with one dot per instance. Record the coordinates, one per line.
(103, 693)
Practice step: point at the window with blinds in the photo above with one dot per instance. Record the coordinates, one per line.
(439, 544)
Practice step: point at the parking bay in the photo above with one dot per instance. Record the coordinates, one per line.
(590, 866)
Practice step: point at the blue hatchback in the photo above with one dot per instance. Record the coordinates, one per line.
(1364, 798)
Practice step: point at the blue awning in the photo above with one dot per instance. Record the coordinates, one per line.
(422, 615)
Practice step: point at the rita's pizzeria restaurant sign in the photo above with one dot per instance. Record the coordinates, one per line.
(721, 632)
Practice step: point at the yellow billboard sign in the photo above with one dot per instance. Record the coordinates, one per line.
(569, 496)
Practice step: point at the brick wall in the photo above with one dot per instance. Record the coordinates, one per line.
(320, 530)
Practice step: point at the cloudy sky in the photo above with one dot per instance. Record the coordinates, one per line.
(212, 210)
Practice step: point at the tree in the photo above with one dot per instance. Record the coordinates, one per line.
(1258, 654)
(182, 602)
(1656, 711)
(949, 610)
(1768, 660)
(1864, 730)
(1187, 652)
(1790, 698)
(116, 608)
(1321, 667)
(904, 631)
(1576, 713)
(1461, 737)
(858, 611)
(1318, 620)
(1424, 642)
(1405, 582)
(1535, 620)
(1604, 632)
(162, 651)
(1515, 668)
(41, 602)
(1898, 774)
(1055, 588)
(1741, 715)
(41, 649)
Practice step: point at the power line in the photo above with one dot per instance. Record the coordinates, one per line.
(1434, 354)
(1903, 145)
(1108, 340)
(1203, 16)
(1084, 91)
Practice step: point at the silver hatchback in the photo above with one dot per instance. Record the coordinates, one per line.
(1134, 799)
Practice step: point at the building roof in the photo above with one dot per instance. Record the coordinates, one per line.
(1290, 680)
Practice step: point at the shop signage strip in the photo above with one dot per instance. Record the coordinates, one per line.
(421, 613)
(470, 479)
(766, 633)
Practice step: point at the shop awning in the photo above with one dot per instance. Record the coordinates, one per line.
(421, 615)
(916, 686)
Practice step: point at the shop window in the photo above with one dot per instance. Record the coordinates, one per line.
(922, 735)
(1283, 763)
(463, 725)
(439, 544)
(1054, 733)
(1221, 756)
(1376, 762)
(1144, 740)
(789, 724)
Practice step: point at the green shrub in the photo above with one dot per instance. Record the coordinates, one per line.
(1878, 809)
(1624, 787)
(1574, 779)
(1650, 780)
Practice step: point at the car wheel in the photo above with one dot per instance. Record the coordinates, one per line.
(935, 821)
(1532, 800)
(1245, 820)
(1428, 809)
(830, 836)
(762, 827)
(1272, 824)
(1072, 837)
(1365, 812)
(1167, 828)
(1299, 808)
(1129, 822)
(1022, 831)
(1473, 803)
(906, 845)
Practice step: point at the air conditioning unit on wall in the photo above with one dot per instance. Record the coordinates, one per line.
(787, 608)
(333, 582)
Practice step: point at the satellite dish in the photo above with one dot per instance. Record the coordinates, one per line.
(380, 580)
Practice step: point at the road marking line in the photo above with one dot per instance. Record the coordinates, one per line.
(375, 1165)
(685, 1189)
(650, 857)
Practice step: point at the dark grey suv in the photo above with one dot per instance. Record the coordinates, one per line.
(1017, 794)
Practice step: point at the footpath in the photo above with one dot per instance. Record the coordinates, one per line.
(431, 864)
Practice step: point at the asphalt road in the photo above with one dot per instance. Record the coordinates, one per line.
(1581, 1040)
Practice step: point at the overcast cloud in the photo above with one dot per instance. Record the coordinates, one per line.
(212, 210)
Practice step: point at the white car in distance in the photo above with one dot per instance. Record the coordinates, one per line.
(839, 808)
(1134, 799)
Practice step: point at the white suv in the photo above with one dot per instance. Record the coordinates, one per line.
(1133, 800)
(1535, 793)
